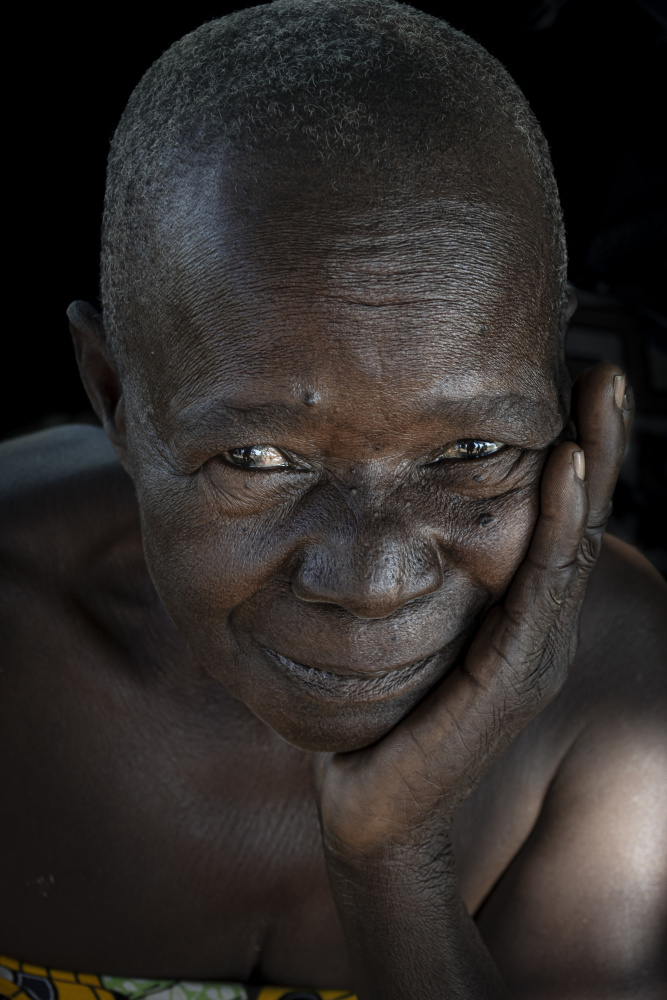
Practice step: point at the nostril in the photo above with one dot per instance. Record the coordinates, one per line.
(370, 580)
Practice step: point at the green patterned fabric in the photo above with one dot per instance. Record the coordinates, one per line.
(169, 989)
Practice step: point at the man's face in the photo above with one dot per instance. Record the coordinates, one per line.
(311, 391)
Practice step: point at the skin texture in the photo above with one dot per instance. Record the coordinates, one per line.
(336, 831)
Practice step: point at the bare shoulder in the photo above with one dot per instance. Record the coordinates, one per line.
(625, 579)
(616, 696)
(623, 648)
(58, 489)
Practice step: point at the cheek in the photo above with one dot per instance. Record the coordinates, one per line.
(488, 531)
(202, 564)
(495, 536)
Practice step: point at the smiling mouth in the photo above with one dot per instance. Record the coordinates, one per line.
(379, 686)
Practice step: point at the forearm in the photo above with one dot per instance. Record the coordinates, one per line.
(407, 930)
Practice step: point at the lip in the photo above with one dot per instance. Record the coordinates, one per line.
(352, 687)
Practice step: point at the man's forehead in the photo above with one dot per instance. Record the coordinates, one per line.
(233, 263)
(380, 270)
(332, 218)
(438, 295)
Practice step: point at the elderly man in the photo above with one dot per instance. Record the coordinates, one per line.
(321, 673)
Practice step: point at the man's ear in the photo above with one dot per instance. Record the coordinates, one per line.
(98, 372)
(571, 304)
(568, 308)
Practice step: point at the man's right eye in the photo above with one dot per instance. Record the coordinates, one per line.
(257, 456)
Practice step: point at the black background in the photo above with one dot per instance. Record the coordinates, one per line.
(591, 70)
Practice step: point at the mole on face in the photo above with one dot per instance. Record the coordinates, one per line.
(310, 397)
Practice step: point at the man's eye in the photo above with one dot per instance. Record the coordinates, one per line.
(257, 456)
(470, 448)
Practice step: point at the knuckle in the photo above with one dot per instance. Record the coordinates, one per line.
(589, 548)
(549, 683)
(599, 516)
(548, 675)
(555, 597)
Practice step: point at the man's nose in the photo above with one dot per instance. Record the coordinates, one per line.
(370, 573)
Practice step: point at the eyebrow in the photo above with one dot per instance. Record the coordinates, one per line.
(524, 413)
(215, 415)
(525, 416)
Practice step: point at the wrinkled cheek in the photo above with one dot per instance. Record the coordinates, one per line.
(202, 566)
(496, 539)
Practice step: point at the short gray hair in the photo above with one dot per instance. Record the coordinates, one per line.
(362, 84)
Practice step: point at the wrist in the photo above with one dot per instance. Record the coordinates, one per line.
(412, 860)
(369, 836)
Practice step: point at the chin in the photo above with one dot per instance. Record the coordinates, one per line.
(352, 729)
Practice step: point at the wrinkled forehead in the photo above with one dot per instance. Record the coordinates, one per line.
(292, 284)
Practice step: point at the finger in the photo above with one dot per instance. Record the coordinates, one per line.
(549, 574)
(603, 410)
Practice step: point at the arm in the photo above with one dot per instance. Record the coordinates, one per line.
(386, 810)
(407, 930)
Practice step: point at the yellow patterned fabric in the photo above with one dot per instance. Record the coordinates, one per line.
(23, 981)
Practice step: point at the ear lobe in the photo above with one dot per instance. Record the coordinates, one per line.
(98, 371)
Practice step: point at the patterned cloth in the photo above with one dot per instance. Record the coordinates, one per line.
(22, 981)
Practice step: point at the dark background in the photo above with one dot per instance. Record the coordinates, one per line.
(593, 71)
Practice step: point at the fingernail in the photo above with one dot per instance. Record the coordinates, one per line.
(619, 389)
(579, 463)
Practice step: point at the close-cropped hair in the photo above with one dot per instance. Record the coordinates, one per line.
(367, 86)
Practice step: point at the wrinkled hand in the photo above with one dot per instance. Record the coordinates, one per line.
(398, 791)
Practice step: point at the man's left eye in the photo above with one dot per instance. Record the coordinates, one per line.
(257, 456)
(470, 448)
